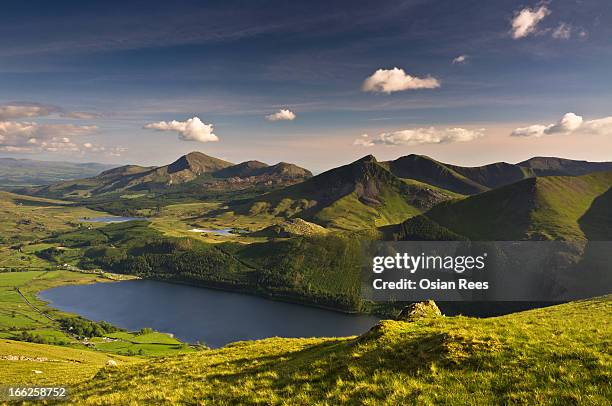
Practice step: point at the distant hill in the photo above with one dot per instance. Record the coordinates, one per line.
(550, 166)
(191, 173)
(473, 180)
(543, 208)
(430, 171)
(28, 172)
(359, 195)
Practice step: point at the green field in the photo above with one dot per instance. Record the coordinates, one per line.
(23, 316)
(25, 221)
(57, 365)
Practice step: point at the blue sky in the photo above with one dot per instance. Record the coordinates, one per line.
(231, 64)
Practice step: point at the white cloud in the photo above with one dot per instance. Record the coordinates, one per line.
(417, 136)
(525, 22)
(460, 59)
(282, 114)
(395, 80)
(563, 31)
(25, 110)
(33, 137)
(601, 126)
(191, 130)
(570, 123)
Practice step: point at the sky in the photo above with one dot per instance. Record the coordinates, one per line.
(316, 83)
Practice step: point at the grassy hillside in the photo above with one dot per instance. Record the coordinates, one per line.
(363, 194)
(556, 355)
(57, 365)
(556, 207)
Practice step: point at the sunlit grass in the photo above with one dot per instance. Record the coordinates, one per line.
(557, 355)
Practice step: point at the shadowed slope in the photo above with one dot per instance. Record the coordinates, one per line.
(544, 208)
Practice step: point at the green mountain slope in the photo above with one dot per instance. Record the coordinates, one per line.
(360, 195)
(556, 207)
(555, 355)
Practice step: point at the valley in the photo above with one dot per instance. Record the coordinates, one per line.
(300, 239)
(281, 233)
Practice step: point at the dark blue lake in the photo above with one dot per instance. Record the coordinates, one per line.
(212, 317)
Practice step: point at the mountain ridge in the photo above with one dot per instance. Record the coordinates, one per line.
(195, 169)
(539, 208)
(477, 179)
(363, 193)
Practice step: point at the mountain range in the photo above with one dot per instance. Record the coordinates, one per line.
(358, 195)
(194, 171)
(543, 197)
(370, 193)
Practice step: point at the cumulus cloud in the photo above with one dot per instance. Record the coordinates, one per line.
(81, 115)
(395, 80)
(34, 137)
(525, 21)
(417, 136)
(12, 111)
(191, 130)
(570, 123)
(460, 59)
(282, 114)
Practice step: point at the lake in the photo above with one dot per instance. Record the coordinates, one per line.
(212, 317)
(220, 231)
(110, 219)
